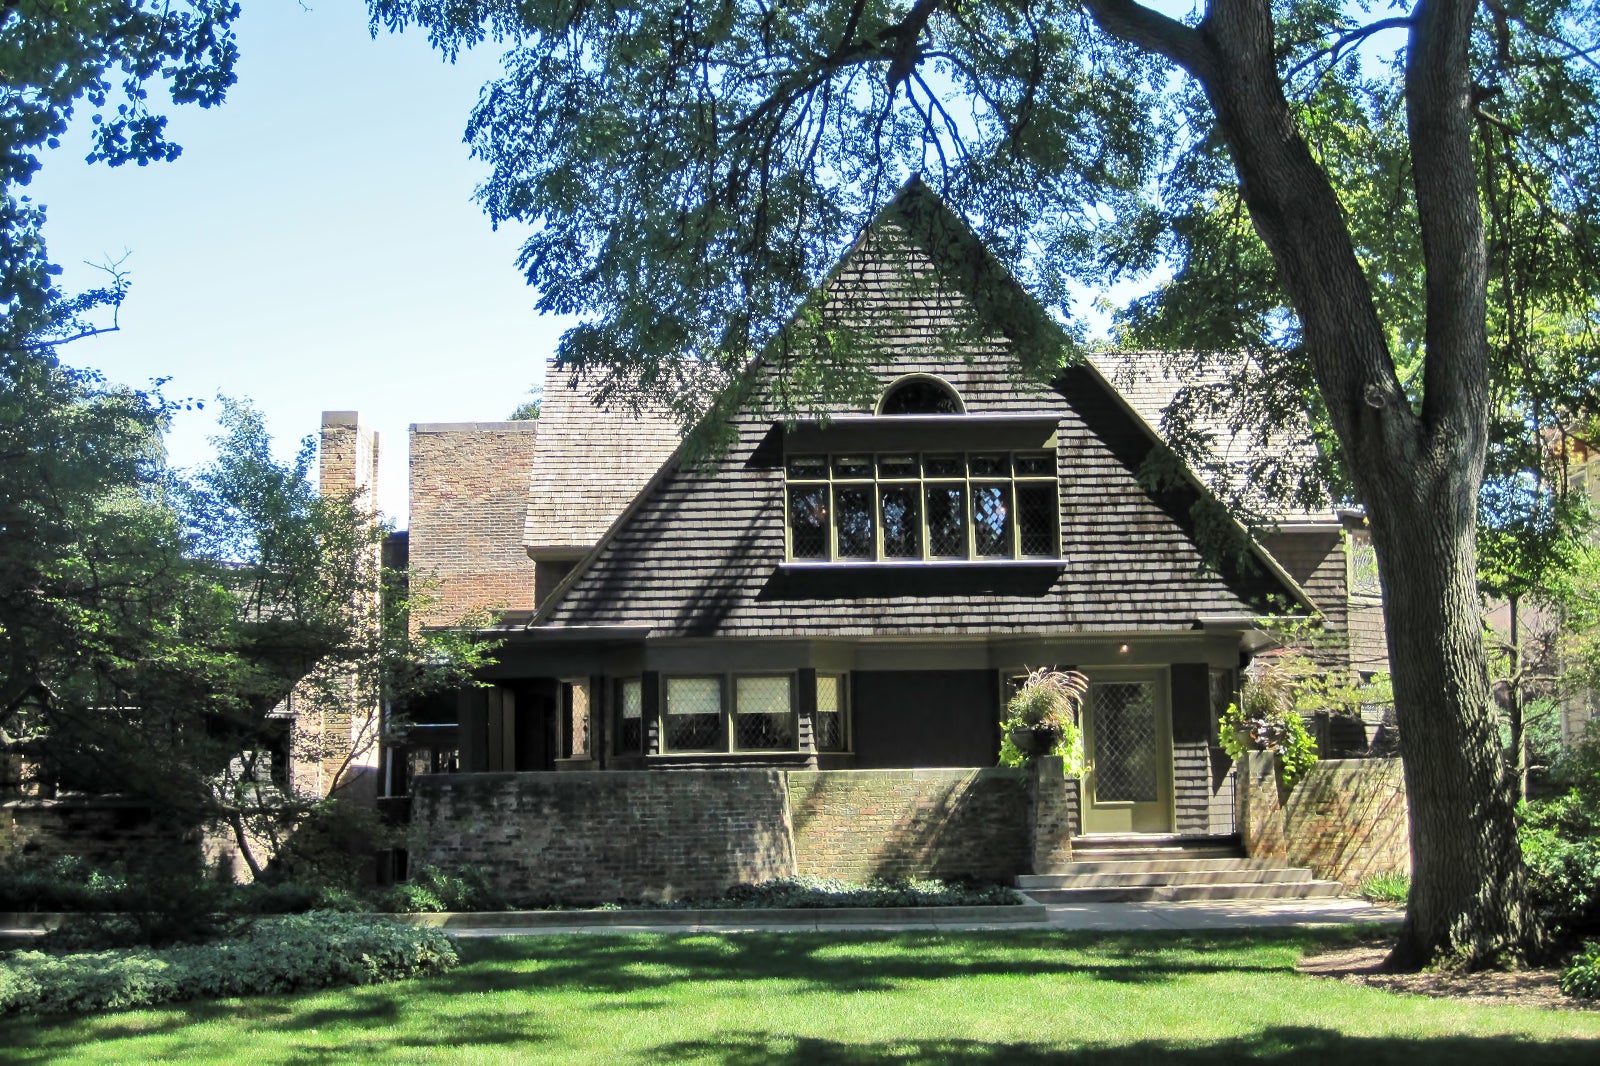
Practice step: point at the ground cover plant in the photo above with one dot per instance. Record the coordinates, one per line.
(285, 954)
(841, 997)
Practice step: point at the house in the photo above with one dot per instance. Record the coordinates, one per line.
(858, 591)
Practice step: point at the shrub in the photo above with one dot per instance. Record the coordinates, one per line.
(431, 889)
(1561, 841)
(1394, 887)
(822, 892)
(1581, 978)
(274, 955)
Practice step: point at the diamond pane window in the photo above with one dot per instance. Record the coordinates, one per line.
(897, 466)
(1125, 742)
(1037, 508)
(630, 721)
(944, 465)
(947, 521)
(991, 520)
(694, 714)
(854, 467)
(854, 522)
(828, 727)
(902, 527)
(988, 465)
(762, 717)
(1036, 464)
(808, 467)
(808, 521)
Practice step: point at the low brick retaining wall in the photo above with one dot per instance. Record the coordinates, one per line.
(587, 837)
(1347, 819)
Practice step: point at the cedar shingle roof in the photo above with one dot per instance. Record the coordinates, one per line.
(590, 463)
(1151, 381)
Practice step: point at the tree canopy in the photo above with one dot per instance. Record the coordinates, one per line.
(1390, 210)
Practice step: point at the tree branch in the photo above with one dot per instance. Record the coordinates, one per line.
(1140, 26)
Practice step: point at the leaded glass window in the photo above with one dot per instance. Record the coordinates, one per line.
(630, 716)
(693, 721)
(763, 718)
(932, 506)
(829, 725)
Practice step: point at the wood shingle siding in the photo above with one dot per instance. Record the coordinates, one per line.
(702, 553)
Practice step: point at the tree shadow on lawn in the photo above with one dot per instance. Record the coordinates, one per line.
(828, 961)
(1286, 1045)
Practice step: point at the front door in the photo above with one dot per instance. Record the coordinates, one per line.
(1127, 737)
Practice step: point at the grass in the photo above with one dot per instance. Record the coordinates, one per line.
(972, 999)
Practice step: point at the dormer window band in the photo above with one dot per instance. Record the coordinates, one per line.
(930, 506)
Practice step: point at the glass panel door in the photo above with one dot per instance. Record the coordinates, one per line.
(1127, 736)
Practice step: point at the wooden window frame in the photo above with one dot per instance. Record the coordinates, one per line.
(831, 482)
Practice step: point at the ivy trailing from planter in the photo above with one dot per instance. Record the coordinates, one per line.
(1265, 719)
(1042, 718)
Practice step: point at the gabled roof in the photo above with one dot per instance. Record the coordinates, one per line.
(700, 549)
(590, 463)
(1151, 381)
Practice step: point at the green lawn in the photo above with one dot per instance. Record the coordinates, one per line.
(753, 1000)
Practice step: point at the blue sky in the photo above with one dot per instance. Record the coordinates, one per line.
(316, 246)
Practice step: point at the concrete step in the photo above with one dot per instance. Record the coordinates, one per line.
(1152, 866)
(1181, 893)
(1140, 878)
(1111, 847)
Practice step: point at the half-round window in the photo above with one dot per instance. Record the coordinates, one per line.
(921, 394)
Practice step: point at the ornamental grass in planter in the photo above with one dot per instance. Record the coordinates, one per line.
(1042, 718)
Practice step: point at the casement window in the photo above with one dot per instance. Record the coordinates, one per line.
(693, 715)
(928, 506)
(830, 727)
(630, 716)
(1361, 562)
(737, 713)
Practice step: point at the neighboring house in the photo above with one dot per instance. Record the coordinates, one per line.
(859, 591)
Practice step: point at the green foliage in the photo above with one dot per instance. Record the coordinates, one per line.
(1561, 842)
(275, 955)
(1265, 719)
(1048, 702)
(1581, 976)
(431, 889)
(826, 893)
(1386, 888)
(60, 55)
(528, 410)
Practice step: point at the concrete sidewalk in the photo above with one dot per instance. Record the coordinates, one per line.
(1100, 917)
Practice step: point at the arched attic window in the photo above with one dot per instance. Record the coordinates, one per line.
(921, 394)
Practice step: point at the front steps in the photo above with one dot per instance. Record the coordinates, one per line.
(1145, 867)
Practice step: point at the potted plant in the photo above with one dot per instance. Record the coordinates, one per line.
(1265, 719)
(1041, 718)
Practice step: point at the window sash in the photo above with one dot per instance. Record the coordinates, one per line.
(903, 506)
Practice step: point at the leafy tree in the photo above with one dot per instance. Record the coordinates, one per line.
(528, 410)
(63, 56)
(1318, 188)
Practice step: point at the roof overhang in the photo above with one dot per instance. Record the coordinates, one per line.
(1252, 629)
(921, 432)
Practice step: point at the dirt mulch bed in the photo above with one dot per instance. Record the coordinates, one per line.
(1364, 964)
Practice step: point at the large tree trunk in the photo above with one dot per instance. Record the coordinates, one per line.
(1417, 471)
(1468, 901)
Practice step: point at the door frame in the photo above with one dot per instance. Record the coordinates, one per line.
(1155, 817)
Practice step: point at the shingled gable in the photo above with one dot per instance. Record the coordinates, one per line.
(591, 462)
(701, 551)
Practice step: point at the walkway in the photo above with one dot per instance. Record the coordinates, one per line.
(1103, 917)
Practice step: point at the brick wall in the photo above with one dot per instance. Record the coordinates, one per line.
(469, 498)
(1347, 819)
(99, 830)
(860, 824)
(587, 837)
